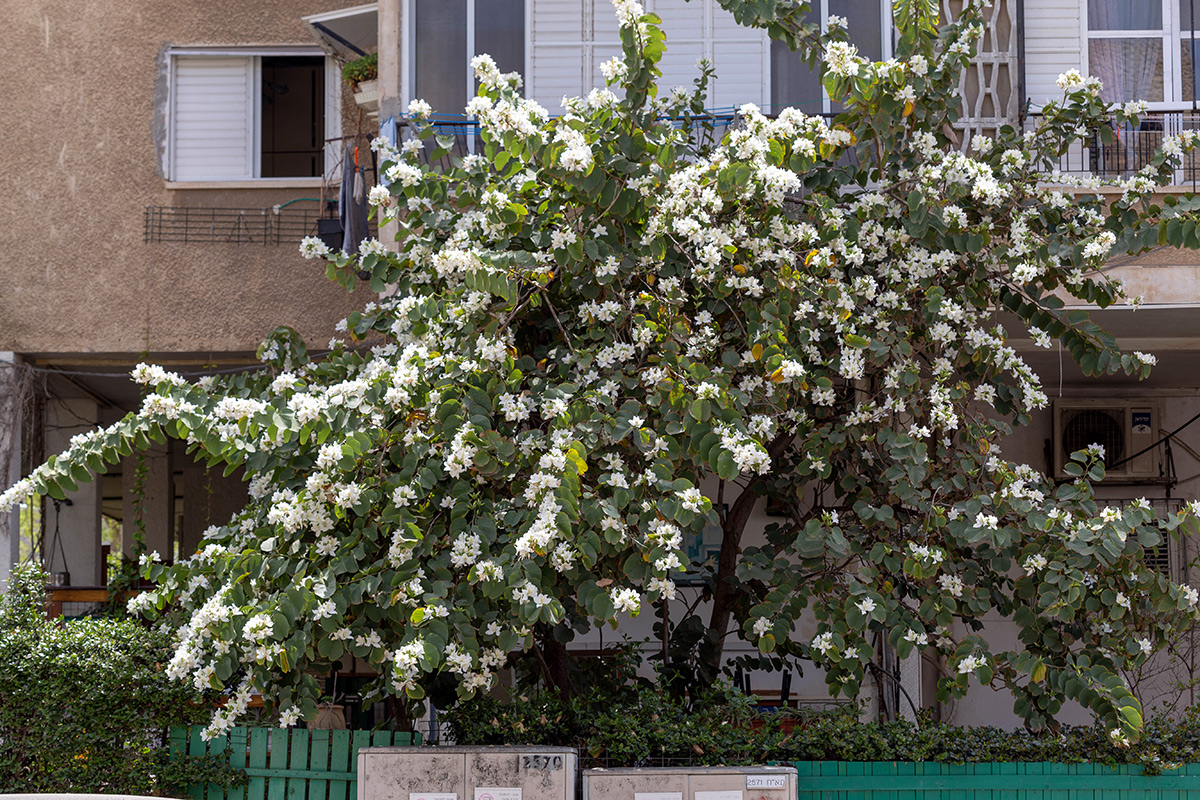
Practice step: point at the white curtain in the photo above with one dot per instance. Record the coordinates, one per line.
(1131, 69)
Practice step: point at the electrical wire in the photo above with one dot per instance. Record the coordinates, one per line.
(1150, 447)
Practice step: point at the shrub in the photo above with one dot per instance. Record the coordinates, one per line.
(654, 730)
(85, 705)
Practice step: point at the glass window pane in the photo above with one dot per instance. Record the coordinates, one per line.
(1125, 15)
(792, 82)
(864, 24)
(500, 32)
(1189, 11)
(440, 54)
(1131, 69)
(1187, 48)
(292, 127)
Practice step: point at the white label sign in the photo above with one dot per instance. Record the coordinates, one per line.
(658, 796)
(433, 796)
(734, 795)
(498, 793)
(766, 781)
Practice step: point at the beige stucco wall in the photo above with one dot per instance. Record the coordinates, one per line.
(79, 166)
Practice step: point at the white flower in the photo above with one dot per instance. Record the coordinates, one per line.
(866, 605)
(971, 663)
(761, 626)
(952, 584)
(625, 601)
(614, 70)
(379, 196)
(419, 109)
(842, 59)
(289, 717)
(312, 247)
(986, 521)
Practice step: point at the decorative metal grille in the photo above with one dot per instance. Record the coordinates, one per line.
(241, 226)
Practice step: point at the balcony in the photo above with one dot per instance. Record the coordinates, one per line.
(1132, 148)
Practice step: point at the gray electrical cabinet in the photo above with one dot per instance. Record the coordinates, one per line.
(690, 783)
(467, 773)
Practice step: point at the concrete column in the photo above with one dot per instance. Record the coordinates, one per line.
(71, 533)
(10, 461)
(391, 80)
(157, 502)
(391, 59)
(911, 681)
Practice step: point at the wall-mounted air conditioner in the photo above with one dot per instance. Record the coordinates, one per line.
(1124, 426)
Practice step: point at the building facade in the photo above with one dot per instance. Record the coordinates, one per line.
(158, 219)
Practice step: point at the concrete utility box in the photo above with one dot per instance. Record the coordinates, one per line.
(467, 773)
(690, 783)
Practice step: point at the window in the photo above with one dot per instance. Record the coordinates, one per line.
(794, 84)
(570, 39)
(1144, 49)
(447, 34)
(243, 116)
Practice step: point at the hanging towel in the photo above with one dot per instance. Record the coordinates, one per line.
(352, 202)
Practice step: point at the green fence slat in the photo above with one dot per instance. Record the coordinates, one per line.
(277, 787)
(298, 762)
(318, 760)
(339, 762)
(217, 746)
(358, 740)
(281, 764)
(238, 741)
(196, 747)
(177, 741)
(256, 789)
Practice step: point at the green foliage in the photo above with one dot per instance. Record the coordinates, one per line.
(361, 69)
(652, 729)
(85, 705)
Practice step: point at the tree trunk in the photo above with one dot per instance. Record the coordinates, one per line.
(724, 593)
(554, 661)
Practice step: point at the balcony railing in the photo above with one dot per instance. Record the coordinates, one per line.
(1129, 148)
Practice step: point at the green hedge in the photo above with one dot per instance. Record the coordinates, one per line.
(653, 730)
(85, 704)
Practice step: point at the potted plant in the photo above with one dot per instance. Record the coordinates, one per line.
(362, 74)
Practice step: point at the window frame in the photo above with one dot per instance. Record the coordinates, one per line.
(333, 116)
(408, 35)
(1172, 35)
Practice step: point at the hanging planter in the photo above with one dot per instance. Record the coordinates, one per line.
(366, 94)
(362, 74)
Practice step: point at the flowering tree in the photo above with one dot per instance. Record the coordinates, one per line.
(599, 314)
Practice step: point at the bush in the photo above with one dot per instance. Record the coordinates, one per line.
(85, 705)
(654, 730)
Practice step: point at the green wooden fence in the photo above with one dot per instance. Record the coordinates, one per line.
(286, 764)
(890, 780)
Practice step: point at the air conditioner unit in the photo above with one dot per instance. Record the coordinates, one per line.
(1123, 426)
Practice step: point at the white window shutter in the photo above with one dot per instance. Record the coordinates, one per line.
(557, 58)
(212, 119)
(570, 39)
